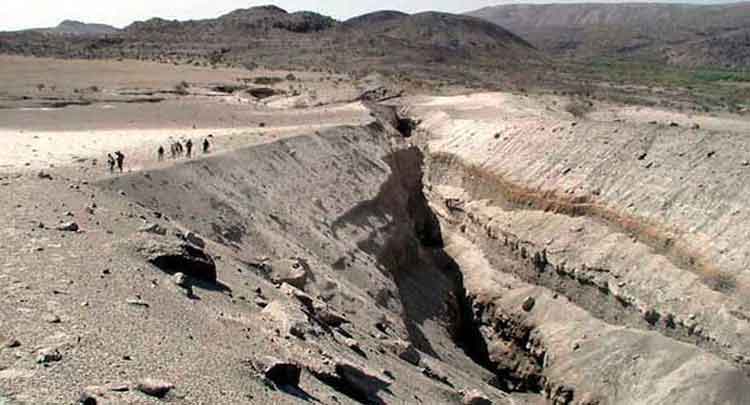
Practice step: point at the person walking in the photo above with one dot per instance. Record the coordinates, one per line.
(206, 145)
(111, 162)
(160, 153)
(120, 160)
(189, 148)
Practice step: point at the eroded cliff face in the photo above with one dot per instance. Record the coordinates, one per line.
(593, 273)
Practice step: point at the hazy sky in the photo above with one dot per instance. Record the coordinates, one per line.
(21, 14)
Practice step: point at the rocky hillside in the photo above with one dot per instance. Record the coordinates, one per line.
(70, 27)
(687, 35)
(271, 36)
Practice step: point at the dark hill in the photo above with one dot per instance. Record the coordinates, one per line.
(385, 41)
(686, 35)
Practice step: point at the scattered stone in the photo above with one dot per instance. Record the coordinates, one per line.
(196, 240)
(11, 343)
(475, 397)
(121, 193)
(353, 345)
(154, 388)
(51, 318)
(89, 396)
(576, 346)
(44, 175)
(642, 155)
(48, 355)
(261, 302)
(674, 124)
(436, 375)
(155, 229)
(403, 350)
(180, 280)
(528, 304)
(68, 227)
(137, 302)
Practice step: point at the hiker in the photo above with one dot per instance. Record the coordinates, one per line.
(206, 145)
(120, 160)
(111, 162)
(178, 148)
(189, 147)
(160, 153)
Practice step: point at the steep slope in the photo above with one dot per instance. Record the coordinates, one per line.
(681, 34)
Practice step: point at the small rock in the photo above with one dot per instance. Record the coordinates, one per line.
(576, 346)
(48, 355)
(180, 280)
(89, 396)
(192, 237)
(44, 175)
(154, 388)
(261, 302)
(292, 271)
(68, 227)
(121, 193)
(10, 343)
(137, 302)
(475, 397)
(156, 229)
(528, 304)
(52, 318)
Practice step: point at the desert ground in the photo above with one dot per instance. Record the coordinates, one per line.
(487, 247)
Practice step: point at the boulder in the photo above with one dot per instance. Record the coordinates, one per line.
(403, 350)
(176, 256)
(475, 397)
(154, 388)
(289, 319)
(281, 373)
(291, 271)
(359, 381)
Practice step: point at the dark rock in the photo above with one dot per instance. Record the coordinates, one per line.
(153, 228)
(196, 240)
(11, 343)
(175, 256)
(48, 355)
(528, 304)
(281, 373)
(44, 175)
(359, 381)
(154, 388)
(68, 227)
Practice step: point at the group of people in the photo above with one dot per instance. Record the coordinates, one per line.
(118, 159)
(176, 149)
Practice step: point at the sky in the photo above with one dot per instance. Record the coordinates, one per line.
(15, 15)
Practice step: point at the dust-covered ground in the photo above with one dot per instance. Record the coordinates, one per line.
(484, 248)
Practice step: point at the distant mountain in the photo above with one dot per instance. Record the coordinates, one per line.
(70, 27)
(268, 35)
(686, 35)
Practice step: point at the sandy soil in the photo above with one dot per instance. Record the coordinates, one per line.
(38, 137)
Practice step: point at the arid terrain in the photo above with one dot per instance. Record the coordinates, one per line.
(364, 236)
